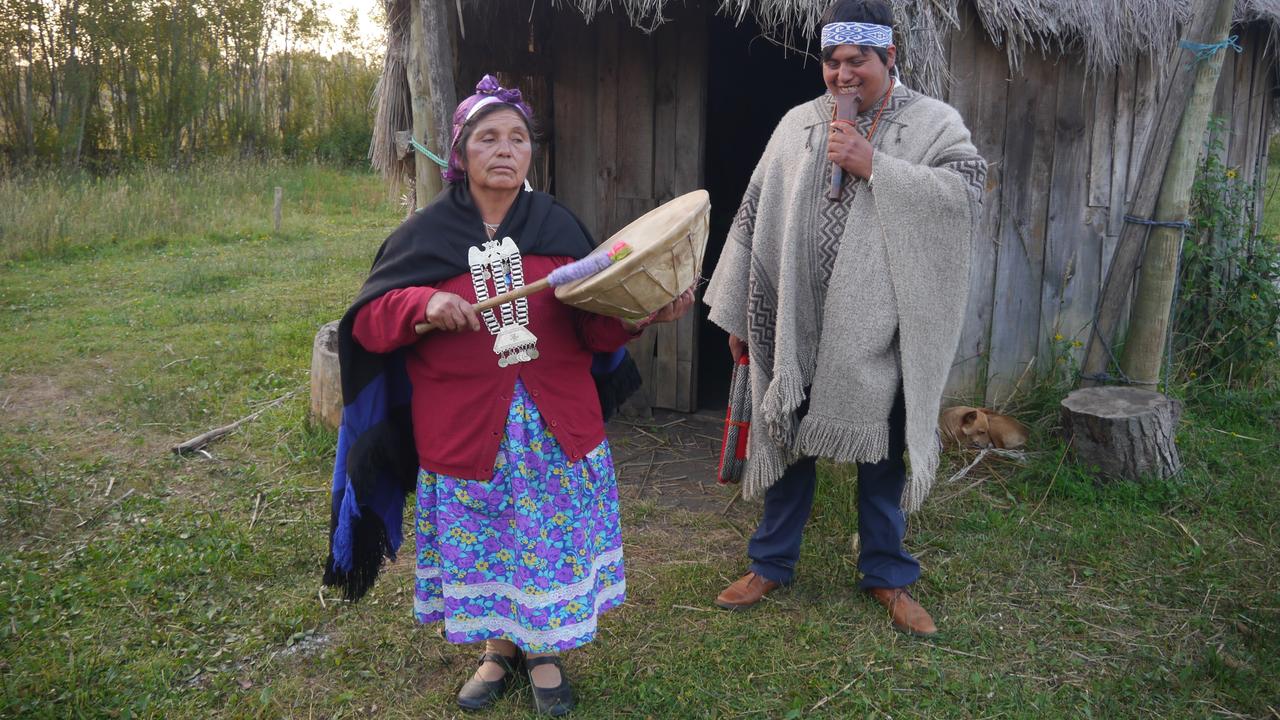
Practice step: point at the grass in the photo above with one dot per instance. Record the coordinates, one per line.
(135, 584)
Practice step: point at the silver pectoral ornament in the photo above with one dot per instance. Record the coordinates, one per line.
(499, 262)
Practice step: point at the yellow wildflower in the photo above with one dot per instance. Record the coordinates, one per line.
(1231, 173)
(1254, 296)
(1057, 337)
(1192, 374)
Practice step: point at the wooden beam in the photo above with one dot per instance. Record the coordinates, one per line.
(1149, 323)
(1130, 247)
(427, 182)
(437, 42)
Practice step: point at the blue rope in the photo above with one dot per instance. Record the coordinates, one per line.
(1204, 51)
(1179, 224)
(423, 149)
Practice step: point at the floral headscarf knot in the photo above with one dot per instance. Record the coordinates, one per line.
(488, 92)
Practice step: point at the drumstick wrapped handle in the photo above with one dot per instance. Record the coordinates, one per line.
(846, 109)
(576, 270)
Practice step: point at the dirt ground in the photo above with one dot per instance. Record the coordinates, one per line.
(671, 459)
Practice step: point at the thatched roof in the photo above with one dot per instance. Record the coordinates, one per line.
(1108, 32)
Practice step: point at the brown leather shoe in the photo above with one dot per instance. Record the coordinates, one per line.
(908, 616)
(745, 592)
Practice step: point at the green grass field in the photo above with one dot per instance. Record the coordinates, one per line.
(142, 311)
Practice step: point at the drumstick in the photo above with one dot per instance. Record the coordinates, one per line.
(846, 109)
(575, 270)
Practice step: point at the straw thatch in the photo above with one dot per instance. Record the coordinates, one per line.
(1107, 32)
(392, 97)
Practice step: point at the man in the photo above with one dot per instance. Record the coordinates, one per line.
(850, 310)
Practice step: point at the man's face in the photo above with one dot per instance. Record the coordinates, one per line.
(858, 70)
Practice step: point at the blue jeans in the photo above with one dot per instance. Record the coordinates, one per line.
(774, 548)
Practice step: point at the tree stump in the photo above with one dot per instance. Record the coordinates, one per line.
(1126, 432)
(326, 381)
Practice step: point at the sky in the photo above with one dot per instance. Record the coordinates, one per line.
(369, 27)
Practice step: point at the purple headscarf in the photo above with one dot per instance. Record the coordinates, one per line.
(488, 91)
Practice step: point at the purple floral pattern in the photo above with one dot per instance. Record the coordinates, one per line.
(532, 555)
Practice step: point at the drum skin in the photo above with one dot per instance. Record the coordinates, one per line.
(667, 245)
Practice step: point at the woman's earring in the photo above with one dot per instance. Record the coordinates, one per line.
(527, 186)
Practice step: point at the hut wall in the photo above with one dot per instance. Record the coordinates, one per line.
(629, 110)
(1064, 148)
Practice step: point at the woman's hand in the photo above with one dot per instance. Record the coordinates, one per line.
(449, 312)
(847, 148)
(737, 347)
(672, 311)
(675, 309)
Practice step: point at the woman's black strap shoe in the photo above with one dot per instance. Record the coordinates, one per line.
(552, 701)
(477, 694)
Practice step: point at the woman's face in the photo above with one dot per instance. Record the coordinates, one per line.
(858, 70)
(498, 152)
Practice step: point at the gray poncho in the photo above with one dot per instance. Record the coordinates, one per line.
(841, 301)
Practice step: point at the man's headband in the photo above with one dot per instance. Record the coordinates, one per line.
(854, 33)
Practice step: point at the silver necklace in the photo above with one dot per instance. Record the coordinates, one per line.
(499, 261)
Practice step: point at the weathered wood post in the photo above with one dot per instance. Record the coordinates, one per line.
(278, 208)
(1126, 432)
(430, 73)
(1119, 281)
(1145, 344)
(326, 384)
(427, 183)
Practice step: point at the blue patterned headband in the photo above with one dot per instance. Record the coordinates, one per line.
(854, 33)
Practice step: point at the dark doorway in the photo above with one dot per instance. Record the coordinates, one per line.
(751, 84)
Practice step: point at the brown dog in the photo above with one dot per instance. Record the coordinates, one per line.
(981, 428)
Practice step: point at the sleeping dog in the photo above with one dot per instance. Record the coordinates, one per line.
(981, 428)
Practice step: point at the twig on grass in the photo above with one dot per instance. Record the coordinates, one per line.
(257, 504)
(171, 363)
(736, 492)
(960, 652)
(197, 443)
(1049, 489)
(105, 508)
(1184, 529)
(970, 466)
(1235, 435)
(695, 609)
(847, 685)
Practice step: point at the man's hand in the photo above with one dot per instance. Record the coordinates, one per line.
(847, 148)
(737, 347)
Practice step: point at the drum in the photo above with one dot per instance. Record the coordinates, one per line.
(666, 248)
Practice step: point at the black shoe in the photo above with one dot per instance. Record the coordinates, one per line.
(479, 694)
(553, 701)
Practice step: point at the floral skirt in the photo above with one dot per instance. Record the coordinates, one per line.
(532, 555)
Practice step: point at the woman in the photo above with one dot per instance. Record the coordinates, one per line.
(850, 309)
(518, 541)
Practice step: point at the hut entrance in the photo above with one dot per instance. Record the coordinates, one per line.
(751, 84)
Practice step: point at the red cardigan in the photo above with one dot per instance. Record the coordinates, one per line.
(461, 396)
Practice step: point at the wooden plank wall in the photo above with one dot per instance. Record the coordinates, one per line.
(1064, 149)
(629, 134)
